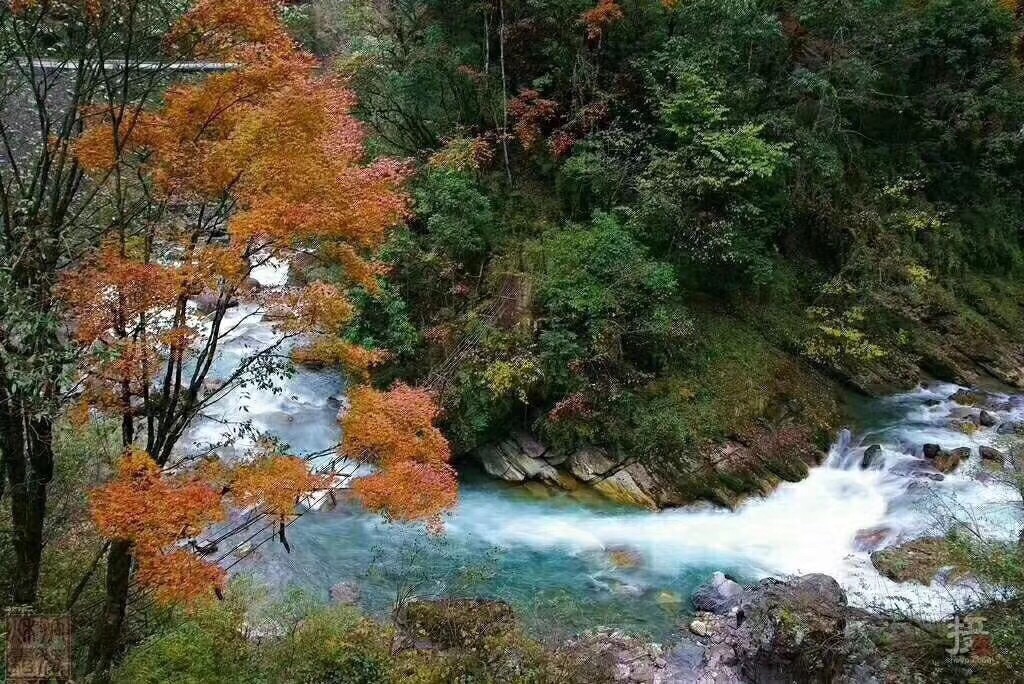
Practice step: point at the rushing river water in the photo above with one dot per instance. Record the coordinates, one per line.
(567, 566)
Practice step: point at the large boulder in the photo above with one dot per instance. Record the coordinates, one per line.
(986, 419)
(793, 631)
(919, 560)
(953, 458)
(988, 453)
(969, 397)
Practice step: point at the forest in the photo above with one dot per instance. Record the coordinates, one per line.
(513, 340)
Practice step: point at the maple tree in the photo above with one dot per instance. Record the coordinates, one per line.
(395, 431)
(206, 180)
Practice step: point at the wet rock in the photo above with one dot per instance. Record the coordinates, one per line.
(969, 397)
(668, 599)
(947, 461)
(630, 484)
(720, 595)
(988, 453)
(918, 468)
(299, 267)
(1011, 427)
(964, 413)
(250, 284)
(872, 457)
(625, 558)
(986, 419)
(345, 593)
(919, 560)
(966, 426)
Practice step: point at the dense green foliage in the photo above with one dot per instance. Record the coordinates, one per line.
(639, 220)
(300, 641)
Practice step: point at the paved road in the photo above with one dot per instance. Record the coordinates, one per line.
(115, 65)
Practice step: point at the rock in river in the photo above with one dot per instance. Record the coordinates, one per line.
(1011, 427)
(872, 457)
(991, 454)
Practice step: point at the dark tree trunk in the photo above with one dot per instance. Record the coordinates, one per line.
(28, 463)
(108, 631)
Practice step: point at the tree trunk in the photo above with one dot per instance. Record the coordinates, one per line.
(108, 632)
(28, 461)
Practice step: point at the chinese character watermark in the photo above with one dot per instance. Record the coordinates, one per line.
(38, 648)
(970, 642)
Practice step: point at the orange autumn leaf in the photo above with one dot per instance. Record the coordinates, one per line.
(152, 511)
(408, 491)
(394, 426)
(112, 290)
(179, 576)
(275, 482)
(334, 352)
(599, 19)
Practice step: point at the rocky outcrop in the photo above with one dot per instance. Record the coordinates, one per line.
(776, 632)
(518, 459)
(624, 658)
(800, 630)
(522, 459)
(722, 472)
(630, 484)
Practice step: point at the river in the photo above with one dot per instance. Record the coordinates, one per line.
(567, 566)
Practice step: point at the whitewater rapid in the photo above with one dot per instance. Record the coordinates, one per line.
(827, 523)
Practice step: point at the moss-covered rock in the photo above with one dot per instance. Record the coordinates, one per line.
(919, 561)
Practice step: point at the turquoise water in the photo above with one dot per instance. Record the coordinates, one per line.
(560, 587)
